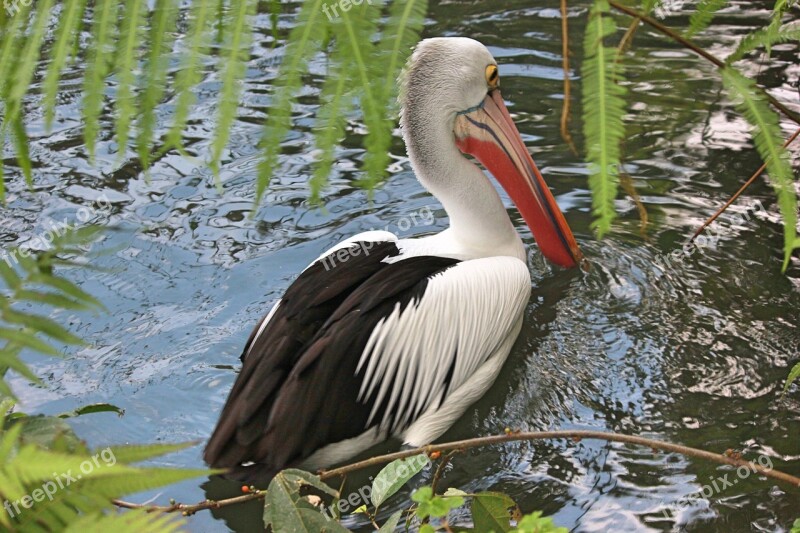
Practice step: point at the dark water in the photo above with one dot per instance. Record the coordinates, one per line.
(694, 351)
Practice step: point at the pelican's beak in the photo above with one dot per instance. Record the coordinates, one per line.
(488, 133)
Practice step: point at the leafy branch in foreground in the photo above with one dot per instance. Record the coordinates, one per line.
(284, 502)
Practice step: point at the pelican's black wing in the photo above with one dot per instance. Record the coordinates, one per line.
(298, 387)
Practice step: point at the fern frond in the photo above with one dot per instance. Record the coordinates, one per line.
(398, 37)
(189, 75)
(233, 72)
(603, 111)
(354, 30)
(155, 75)
(794, 373)
(68, 31)
(21, 148)
(768, 141)
(126, 62)
(703, 15)
(28, 60)
(134, 521)
(104, 29)
(136, 453)
(305, 39)
(335, 103)
(766, 37)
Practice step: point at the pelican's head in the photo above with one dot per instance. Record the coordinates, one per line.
(455, 80)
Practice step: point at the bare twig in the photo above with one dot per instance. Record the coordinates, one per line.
(738, 193)
(669, 32)
(565, 105)
(440, 469)
(575, 435)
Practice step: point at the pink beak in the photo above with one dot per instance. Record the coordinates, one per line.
(488, 133)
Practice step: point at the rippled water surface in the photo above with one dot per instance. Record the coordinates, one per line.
(694, 351)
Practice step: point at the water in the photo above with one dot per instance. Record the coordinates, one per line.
(693, 352)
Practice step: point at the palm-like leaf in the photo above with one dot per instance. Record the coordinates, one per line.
(768, 141)
(703, 15)
(603, 110)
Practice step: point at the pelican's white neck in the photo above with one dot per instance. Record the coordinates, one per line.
(479, 222)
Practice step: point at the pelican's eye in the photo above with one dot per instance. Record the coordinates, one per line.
(492, 76)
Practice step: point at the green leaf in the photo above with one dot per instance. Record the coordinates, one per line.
(766, 37)
(535, 523)
(104, 29)
(429, 505)
(603, 111)
(769, 143)
(703, 15)
(491, 511)
(68, 288)
(793, 375)
(47, 432)
(394, 475)
(455, 492)
(28, 60)
(20, 139)
(43, 325)
(136, 453)
(190, 74)
(93, 408)
(233, 68)
(133, 521)
(391, 523)
(304, 40)
(796, 526)
(56, 300)
(160, 40)
(68, 30)
(27, 340)
(285, 510)
(126, 63)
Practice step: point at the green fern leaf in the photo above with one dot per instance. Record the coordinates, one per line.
(27, 340)
(135, 521)
(766, 37)
(104, 29)
(20, 139)
(603, 111)
(354, 29)
(702, 17)
(233, 72)
(68, 30)
(305, 39)
(127, 61)
(335, 103)
(28, 60)
(155, 77)
(793, 374)
(768, 140)
(41, 324)
(189, 75)
(136, 453)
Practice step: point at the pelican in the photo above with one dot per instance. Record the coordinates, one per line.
(385, 337)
